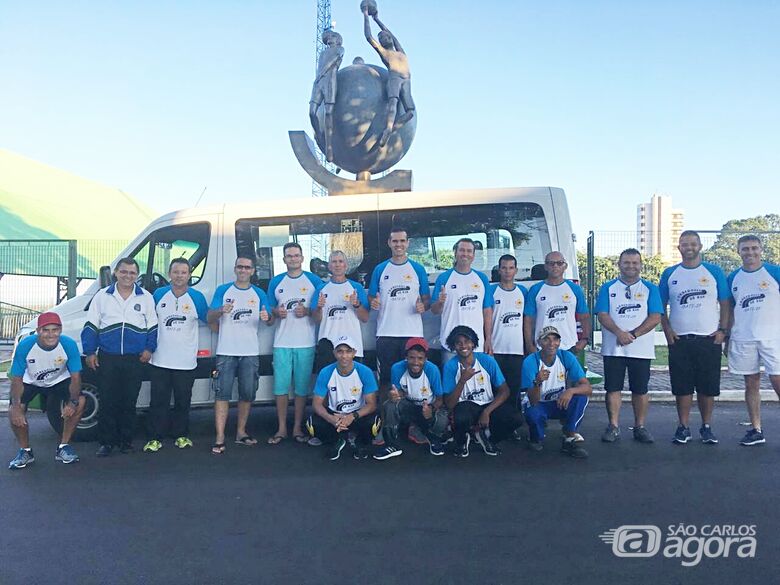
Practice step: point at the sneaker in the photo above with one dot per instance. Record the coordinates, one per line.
(611, 434)
(335, 451)
(436, 448)
(387, 452)
(23, 459)
(463, 450)
(572, 449)
(707, 436)
(416, 436)
(104, 451)
(753, 437)
(535, 446)
(152, 446)
(66, 454)
(484, 441)
(518, 435)
(314, 442)
(642, 435)
(578, 438)
(360, 452)
(682, 435)
(183, 442)
(126, 448)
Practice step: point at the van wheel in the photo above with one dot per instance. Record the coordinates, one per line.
(87, 429)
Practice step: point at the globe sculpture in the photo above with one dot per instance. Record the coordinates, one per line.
(359, 119)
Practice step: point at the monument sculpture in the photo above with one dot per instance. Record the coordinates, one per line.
(363, 115)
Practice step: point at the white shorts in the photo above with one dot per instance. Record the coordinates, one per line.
(746, 357)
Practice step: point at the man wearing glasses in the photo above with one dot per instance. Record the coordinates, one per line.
(559, 303)
(628, 308)
(238, 307)
(120, 335)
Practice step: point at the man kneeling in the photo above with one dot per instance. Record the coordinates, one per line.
(469, 382)
(546, 375)
(415, 397)
(48, 363)
(350, 390)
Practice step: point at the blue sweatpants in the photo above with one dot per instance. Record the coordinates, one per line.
(537, 415)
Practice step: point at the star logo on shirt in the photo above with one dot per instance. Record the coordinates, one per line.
(346, 297)
(763, 285)
(518, 302)
(251, 302)
(638, 295)
(408, 277)
(304, 290)
(354, 390)
(704, 280)
(59, 360)
(480, 379)
(476, 286)
(186, 307)
(566, 297)
(561, 376)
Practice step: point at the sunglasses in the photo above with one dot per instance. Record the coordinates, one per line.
(243, 267)
(555, 262)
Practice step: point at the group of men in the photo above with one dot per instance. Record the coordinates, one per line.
(527, 364)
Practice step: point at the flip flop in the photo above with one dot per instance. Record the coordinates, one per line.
(247, 441)
(276, 439)
(218, 448)
(301, 438)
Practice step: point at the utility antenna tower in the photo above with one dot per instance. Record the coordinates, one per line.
(324, 23)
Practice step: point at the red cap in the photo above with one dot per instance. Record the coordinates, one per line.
(49, 318)
(413, 341)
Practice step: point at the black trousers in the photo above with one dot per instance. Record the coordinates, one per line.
(163, 419)
(365, 428)
(120, 381)
(503, 420)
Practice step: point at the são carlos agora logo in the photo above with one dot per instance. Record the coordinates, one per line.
(687, 542)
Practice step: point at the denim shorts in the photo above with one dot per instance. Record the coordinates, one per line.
(243, 367)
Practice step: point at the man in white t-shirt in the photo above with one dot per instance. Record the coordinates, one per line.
(755, 335)
(509, 299)
(342, 306)
(400, 293)
(344, 403)
(179, 309)
(629, 308)
(291, 294)
(556, 302)
(462, 296)
(238, 307)
(699, 314)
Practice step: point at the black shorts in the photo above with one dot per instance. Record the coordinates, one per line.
(511, 365)
(389, 350)
(694, 364)
(615, 374)
(60, 389)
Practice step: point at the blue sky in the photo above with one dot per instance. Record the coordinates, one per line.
(611, 101)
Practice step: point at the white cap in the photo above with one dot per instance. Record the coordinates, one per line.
(345, 340)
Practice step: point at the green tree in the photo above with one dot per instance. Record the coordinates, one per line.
(724, 251)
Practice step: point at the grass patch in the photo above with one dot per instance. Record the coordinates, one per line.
(5, 366)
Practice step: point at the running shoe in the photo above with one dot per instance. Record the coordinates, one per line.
(682, 435)
(23, 458)
(642, 435)
(611, 434)
(66, 454)
(387, 452)
(463, 450)
(707, 436)
(484, 441)
(335, 451)
(572, 449)
(753, 437)
(436, 448)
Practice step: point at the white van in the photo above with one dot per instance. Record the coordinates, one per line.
(527, 223)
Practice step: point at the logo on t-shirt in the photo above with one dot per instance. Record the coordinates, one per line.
(59, 360)
(137, 307)
(692, 295)
(467, 300)
(289, 305)
(172, 320)
(186, 307)
(511, 317)
(251, 302)
(623, 309)
(554, 311)
(238, 314)
(46, 373)
(333, 311)
(763, 285)
(748, 300)
(397, 290)
(476, 286)
(566, 297)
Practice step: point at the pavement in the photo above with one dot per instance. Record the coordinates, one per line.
(284, 514)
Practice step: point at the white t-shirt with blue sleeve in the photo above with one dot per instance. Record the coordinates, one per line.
(564, 368)
(478, 389)
(288, 291)
(339, 317)
(557, 305)
(693, 296)
(177, 328)
(756, 300)
(45, 367)
(345, 393)
(628, 305)
(467, 295)
(426, 386)
(508, 319)
(398, 287)
(238, 329)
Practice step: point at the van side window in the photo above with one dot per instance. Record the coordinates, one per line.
(519, 229)
(354, 234)
(154, 254)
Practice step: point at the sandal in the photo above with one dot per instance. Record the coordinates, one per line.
(276, 439)
(247, 440)
(218, 448)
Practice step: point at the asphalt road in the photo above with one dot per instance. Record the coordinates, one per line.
(285, 515)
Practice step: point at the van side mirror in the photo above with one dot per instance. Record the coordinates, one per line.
(105, 276)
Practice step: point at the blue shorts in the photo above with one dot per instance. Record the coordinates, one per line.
(293, 365)
(243, 367)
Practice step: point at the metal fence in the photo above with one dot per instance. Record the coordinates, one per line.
(599, 262)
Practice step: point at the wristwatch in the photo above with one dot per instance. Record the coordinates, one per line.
(74, 402)
(355, 415)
